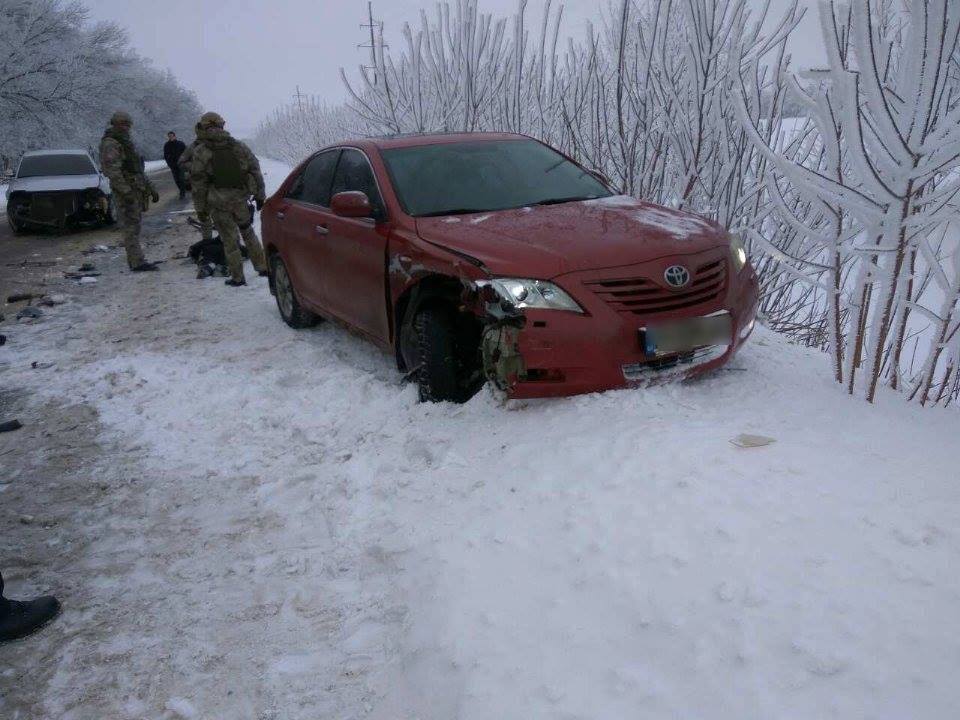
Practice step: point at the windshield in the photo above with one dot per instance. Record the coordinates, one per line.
(41, 165)
(452, 178)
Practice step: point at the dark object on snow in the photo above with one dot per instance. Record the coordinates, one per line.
(234, 283)
(19, 297)
(29, 312)
(37, 365)
(10, 426)
(19, 618)
(87, 267)
(3, 339)
(211, 252)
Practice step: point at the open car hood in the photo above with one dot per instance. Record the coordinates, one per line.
(545, 241)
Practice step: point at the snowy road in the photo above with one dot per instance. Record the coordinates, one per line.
(255, 522)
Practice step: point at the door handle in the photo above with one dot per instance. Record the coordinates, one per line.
(322, 230)
(281, 215)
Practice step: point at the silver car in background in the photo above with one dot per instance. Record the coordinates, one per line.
(58, 190)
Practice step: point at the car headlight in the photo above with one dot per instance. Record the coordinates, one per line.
(738, 252)
(537, 294)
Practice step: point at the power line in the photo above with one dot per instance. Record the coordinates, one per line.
(376, 28)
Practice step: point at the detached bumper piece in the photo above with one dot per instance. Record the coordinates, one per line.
(666, 367)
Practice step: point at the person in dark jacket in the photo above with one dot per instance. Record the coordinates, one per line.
(19, 618)
(172, 150)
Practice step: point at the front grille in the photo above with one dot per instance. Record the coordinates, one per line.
(642, 296)
(52, 207)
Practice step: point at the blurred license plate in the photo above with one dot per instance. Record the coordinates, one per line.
(687, 334)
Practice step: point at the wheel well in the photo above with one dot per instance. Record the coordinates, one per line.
(270, 251)
(431, 290)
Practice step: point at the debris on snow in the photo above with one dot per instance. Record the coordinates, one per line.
(20, 297)
(29, 313)
(752, 441)
(10, 426)
(87, 280)
(54, 299)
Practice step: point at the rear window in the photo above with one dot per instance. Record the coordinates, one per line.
(42, 165)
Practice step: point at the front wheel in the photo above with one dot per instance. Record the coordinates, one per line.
(443, 357)
(291, 311)
(14, 227)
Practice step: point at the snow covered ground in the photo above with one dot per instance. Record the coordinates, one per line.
(305, 540)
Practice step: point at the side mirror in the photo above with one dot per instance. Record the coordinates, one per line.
(351, 204)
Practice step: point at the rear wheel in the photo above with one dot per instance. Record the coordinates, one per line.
(443, 357)
(291, 311)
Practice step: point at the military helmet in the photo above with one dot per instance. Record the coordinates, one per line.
(121, 118)
(212, 119)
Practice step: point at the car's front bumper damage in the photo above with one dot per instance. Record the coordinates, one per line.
(57, 210)
(546, 353)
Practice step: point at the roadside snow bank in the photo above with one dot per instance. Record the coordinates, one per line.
(599, 557)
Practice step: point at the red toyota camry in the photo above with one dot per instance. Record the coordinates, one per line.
(493, 257)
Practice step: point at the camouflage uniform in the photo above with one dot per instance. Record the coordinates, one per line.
(186, 166)
(225, 173)
(131, 189)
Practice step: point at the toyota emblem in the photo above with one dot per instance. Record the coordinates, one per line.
(677, 276)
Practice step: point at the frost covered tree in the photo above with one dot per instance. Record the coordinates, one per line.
(884, 181)
(61, 77)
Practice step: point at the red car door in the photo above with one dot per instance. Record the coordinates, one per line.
(354, 255)
(303, 217)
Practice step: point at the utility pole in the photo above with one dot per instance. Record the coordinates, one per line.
(376, 28)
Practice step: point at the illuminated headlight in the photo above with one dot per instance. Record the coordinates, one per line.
(737, 252)
(537, 294)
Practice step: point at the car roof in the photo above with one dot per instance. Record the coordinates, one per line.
(66, 151)
(387, 142)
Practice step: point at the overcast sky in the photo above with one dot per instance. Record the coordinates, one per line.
(243, 58)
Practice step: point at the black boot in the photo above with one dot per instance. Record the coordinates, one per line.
(234, 283)
(21, 618)
(145, 267)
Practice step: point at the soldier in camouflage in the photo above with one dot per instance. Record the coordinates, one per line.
(225, 173)
(186, 167)
(131, 189)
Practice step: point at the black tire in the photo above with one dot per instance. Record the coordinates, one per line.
(14, 228)
(291, 311)
(437, 361)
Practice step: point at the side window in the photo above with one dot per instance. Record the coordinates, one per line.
(355, 173)
(313, 185)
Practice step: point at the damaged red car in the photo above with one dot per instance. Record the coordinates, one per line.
(493, 257)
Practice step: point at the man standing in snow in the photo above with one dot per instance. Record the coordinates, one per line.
(19, 618)
(225, 173)
(172, 150)
(131, 189)
(186, 169)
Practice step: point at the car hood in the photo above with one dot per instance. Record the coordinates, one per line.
(550, 240)
(53, 183)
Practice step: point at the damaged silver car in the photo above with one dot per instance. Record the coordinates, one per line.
(58, 190)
